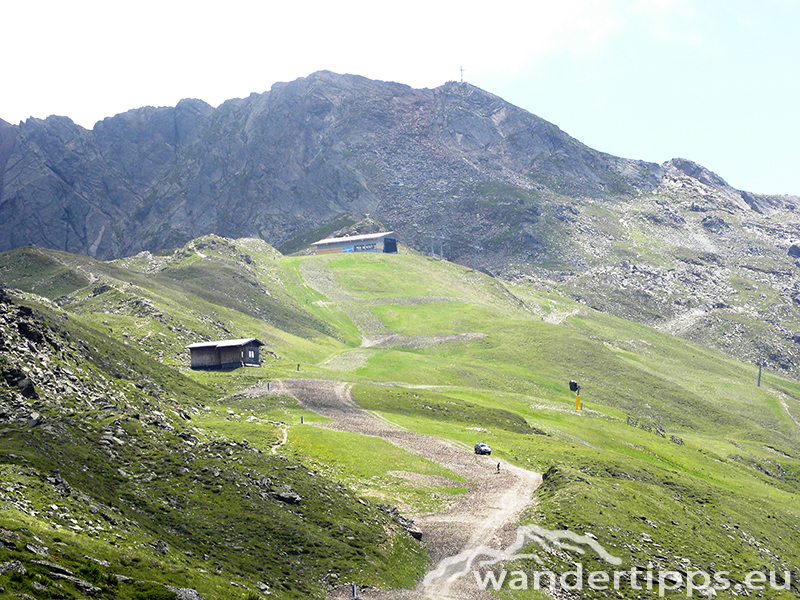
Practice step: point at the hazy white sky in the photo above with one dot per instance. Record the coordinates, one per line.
(715, 81)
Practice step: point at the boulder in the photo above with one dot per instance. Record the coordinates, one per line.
(17, 378)
(185, 593)
(287, 496)
(12, 566)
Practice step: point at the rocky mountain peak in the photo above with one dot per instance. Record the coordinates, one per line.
(453, 160)
(695, 171)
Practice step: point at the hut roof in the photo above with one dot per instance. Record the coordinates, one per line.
(354, 238)
(226, 343)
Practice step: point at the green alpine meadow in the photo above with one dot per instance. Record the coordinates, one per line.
(346, 458)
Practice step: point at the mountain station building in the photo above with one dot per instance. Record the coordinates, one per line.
(226, 354)
(369, 242)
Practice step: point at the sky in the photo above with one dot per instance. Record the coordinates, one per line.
(714, 81)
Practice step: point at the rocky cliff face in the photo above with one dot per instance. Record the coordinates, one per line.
(454, 159)
(280, 163)
(269, 165)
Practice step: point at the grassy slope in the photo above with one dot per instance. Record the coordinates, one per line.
(608, 477)
(187, 483)
(642, 495)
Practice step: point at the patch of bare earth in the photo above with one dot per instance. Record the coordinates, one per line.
(487, 514)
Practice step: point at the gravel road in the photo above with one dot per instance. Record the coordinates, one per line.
(486, 515)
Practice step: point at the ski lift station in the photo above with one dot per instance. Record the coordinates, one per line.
(370, 242)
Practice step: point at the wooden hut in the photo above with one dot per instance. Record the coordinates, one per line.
(226, 354)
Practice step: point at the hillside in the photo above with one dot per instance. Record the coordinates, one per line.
(453, 169)
(121, 461)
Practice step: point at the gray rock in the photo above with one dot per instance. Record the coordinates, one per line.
(714, 224)
(53, 567)
(410, 527)
(37, 549)
(7, 544)
(12, 566)
(185, 593)
(288, 496)
(357, 146)
(17, 378)
(83, 586)
(59, 483)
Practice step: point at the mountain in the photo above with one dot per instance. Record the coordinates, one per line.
(286, 161)
(124, 474)
(452, 169)
(277, 164)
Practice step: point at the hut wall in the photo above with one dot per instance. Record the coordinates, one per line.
(231, 356)
(205, 358)
(251, 355)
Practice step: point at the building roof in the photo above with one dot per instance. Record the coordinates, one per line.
(354, 238)
(225, 343)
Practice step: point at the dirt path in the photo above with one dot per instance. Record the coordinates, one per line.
(486, 515)
(782, 399)
(284, 436)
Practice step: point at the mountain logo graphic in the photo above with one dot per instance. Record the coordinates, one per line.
(551, 541)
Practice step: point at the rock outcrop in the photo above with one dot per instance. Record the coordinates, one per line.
(279, 164)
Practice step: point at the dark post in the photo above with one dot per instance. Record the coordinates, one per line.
(761, 364)
(574, 387)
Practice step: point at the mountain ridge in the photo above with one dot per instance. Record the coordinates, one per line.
(301, 154)
(453, 169)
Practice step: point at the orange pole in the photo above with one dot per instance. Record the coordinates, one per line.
(578, 402)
